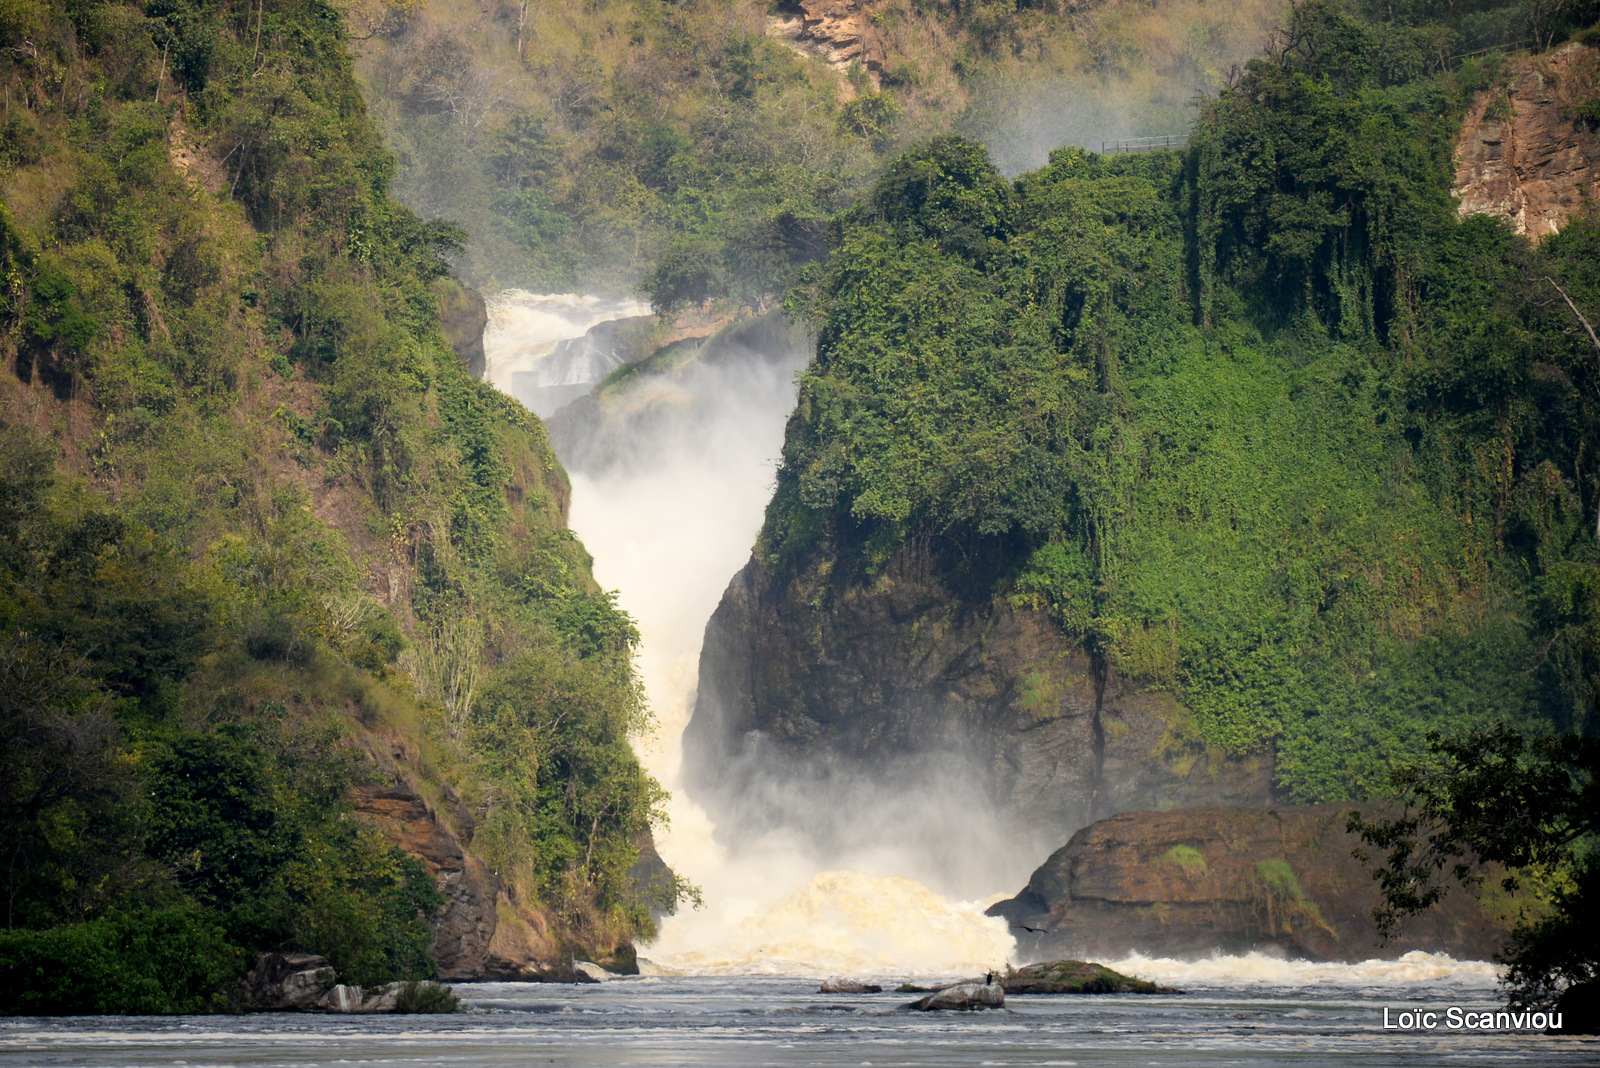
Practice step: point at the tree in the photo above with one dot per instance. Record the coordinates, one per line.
(1528, 807)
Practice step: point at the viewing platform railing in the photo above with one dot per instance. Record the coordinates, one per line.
(1144, 144)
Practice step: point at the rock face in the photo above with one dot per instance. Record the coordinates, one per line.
(840, 32)
(287, 982)
(1202, 880)
(1525, 154)
(963, 996)
(465, 928)
(898, 714)
(463, 315)
(479, 934)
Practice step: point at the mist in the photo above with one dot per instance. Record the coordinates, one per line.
(671, 474)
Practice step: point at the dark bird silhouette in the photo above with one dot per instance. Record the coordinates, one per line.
(1032, 930)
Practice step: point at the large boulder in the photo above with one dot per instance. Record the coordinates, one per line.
(840, 985)
(1202, 880)
(1075, 977)
(963, 996)
(287, 982)
(353, 999)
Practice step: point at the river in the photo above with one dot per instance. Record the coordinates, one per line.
(669, 519)
(1310, 1015)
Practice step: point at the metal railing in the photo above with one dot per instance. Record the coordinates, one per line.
(1144, 144)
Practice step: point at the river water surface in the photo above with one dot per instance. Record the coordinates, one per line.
(717, 1020)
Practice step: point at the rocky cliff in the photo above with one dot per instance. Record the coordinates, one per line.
(1529, 151)
(1206, 879)
(840, 32)
(902, 705)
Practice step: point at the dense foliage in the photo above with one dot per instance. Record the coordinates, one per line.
(260, 532)
(1530, 809)
(681, 147)
(1263, 424)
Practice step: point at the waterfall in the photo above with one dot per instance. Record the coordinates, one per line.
(669, 483)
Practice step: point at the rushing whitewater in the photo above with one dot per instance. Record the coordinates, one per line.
(527, 330)
(668, 525)
(667, 530)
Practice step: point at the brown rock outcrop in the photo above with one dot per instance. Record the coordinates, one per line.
(1523, 154)
(1196, 881)
(464, 930)
(897, 714)
(840, 32)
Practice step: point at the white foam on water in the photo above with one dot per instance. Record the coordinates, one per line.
(840, 923)
(525, 327)
(1262, 969)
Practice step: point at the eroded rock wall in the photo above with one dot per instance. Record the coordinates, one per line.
(480, 934)
(1525, 154)
(839, 32)
(1203, 880)
(896, 713)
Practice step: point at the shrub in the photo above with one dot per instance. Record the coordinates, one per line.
(155, 962)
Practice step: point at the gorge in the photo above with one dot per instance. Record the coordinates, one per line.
(522, 494)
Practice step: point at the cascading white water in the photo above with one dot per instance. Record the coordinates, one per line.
(668, 529)
(527, 329)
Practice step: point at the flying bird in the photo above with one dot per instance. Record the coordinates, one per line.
(1032, 930)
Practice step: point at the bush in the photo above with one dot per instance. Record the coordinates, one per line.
(426, 998)
(152, 963)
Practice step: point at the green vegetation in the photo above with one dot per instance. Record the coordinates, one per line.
(1074, 977)
(260, 533)
(1263, 424)
(1186, 859)
(424, 997)
(679, 148)
(1529, 808)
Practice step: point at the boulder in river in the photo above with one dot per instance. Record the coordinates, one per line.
(963, 996)
(415, 997)
(287, 982)
(344, 998)
(1076, 977)
(1281, 880)
(841, 985)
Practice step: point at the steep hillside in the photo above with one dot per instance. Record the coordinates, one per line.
(698, 149)
(297, 650)
(1162, 480)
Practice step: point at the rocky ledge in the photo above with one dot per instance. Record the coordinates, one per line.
(1528, 153)
(963, 996)
(305, 982)
(1045, 977)
(1076, 977)
(1202, 880)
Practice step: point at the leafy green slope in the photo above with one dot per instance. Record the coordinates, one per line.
(256, 523)
(1263, 424)
(679, 147)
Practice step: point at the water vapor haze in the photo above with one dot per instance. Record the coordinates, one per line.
(670, 477)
